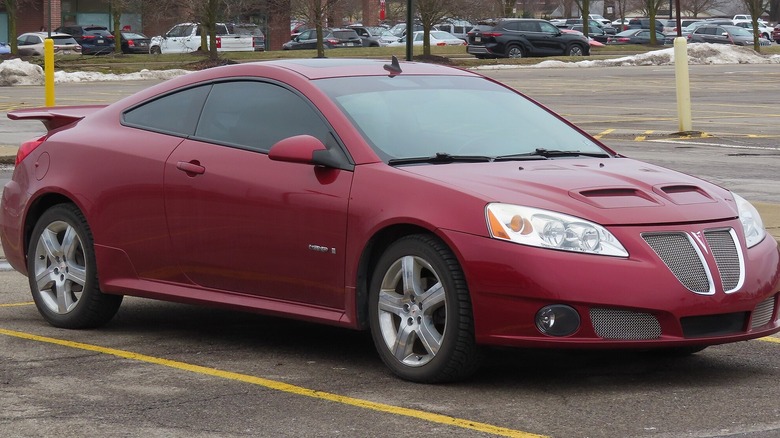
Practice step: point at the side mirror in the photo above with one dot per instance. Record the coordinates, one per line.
(296, 149)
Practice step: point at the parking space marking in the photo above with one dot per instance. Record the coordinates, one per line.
(642, 137)
(718, 145)
(603, 133)
(17, 304)
(283, 387)
(770, 339)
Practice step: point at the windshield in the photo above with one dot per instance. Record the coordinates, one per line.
(420, 116)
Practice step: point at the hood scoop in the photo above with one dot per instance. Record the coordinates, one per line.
(683, 194)
(617, 197)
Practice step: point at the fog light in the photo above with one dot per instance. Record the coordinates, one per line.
(557, 320)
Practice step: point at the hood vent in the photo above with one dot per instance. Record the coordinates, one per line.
(618, 197)
(682, 194)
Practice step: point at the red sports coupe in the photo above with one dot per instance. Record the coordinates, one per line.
(359, 193)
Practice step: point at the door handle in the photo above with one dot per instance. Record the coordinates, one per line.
(191, 168)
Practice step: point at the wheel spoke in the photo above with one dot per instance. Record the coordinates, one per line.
(404, 341)
(65, 298)
(76, 273)
(433, 298)
(411, 275)
(70, 242)
(391, 302)
(50, 244)
(44, 278)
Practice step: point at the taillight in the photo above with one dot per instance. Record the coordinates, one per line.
(441, 44)
(130, 43)
(88, 37)
(26, 149)
(332, 41)
(491, 34)
(219, 42)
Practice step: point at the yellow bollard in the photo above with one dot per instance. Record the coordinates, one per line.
(683, 84)
(48, 70)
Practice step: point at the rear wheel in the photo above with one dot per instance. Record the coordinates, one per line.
(155, 50)
(62, 272)
(420, 312)
(575, 50)
(514, 51)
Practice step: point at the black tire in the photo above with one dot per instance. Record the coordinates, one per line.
(62, 271)
(155, 50)
(515, 51)
(575, 50)
(436, 341)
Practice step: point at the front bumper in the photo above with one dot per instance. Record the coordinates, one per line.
(634, 302)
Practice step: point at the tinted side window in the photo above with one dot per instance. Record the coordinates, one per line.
(255, 115)
(511, 25)
(175, 113)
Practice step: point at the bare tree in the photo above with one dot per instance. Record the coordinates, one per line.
(11, 8)
(314, 12)
(584, 6)
(696, 7)
(755, 8)
(431, 13)
(650, 9)
(507, 7)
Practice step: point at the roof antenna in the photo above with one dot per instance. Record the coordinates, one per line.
(394, 67)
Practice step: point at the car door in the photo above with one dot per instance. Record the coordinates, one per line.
(307, 39)
(175, 41)
(243, 223)
(543, 41)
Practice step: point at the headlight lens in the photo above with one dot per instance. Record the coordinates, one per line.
(752, 224)
(548, 229)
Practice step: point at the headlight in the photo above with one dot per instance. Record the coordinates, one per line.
(752, 224)
(548, 229)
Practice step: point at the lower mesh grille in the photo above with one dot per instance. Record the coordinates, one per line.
(763, 313)
(624, 324)
(724, 249)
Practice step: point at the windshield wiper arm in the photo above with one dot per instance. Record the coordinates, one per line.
(551, 153)
(440, 158)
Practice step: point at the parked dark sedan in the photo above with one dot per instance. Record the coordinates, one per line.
(639, 36)
(134, 42)
(331, 39)
(521, 37)
(94, 40)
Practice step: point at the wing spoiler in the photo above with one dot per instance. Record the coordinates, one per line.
(55, 117)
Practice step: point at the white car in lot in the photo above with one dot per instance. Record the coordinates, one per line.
(764, 31)
(186, 37)
(437, 38)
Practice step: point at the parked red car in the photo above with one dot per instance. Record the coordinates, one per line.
(776, 33)
(298, 188)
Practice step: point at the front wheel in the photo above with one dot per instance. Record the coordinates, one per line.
(420, 312)
(62, 272)
(155, 50)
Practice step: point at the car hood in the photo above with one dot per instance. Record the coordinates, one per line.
(615, 191)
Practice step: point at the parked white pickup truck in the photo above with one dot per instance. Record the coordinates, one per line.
(185, 38)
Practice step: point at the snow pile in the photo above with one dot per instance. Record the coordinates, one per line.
(18, 72)
(698, 53)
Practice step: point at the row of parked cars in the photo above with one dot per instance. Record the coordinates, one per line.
(87, 40)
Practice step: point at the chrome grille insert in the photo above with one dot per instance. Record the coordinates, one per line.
(683, 258)
(762, 315)
(624, 324)
(728, 257)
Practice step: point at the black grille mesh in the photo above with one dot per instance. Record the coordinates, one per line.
(624, 324)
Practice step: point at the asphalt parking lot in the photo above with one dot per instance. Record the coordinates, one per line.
(170, 370)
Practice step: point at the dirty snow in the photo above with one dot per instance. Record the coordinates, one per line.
(18, 72)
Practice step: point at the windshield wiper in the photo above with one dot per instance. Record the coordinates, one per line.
(440, 158)
(551, 153)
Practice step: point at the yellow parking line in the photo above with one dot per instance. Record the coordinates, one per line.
(770, 339)
(603, 133)
(284, 387)
(17, 304)
(642, 137)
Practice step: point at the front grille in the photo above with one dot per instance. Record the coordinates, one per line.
(681, 257)
(762, 315)
(624, 324)
(727, 257)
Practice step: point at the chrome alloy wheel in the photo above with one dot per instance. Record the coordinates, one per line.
(412, 311)
(60, 267)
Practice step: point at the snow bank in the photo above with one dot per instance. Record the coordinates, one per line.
(18, 72)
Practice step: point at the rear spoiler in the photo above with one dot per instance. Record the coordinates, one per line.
(55, 117)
